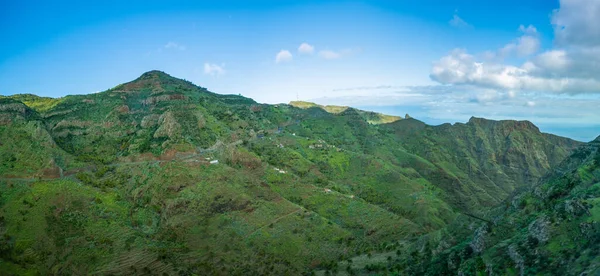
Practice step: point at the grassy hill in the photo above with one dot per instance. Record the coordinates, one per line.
(159, 176)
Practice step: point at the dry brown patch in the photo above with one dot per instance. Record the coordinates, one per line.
(168, 155)
(157, 99)
(52, 172)
(124, 109)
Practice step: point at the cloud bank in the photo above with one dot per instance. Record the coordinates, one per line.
(572, 66)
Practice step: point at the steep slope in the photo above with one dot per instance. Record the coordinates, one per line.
(162, 176)
(551, 229)
(27, 150)
(152, 113)
(483, 161)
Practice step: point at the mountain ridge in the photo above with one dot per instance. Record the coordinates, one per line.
(157, 78)
(223, 177)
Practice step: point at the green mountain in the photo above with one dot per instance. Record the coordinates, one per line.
(552, 228)
(488, 159)
(159, 176)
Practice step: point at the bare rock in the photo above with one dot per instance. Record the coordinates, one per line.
(169, 127)
(540, 229)
(150, 120)
(478, 242)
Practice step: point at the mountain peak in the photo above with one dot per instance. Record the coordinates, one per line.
(505, 124)
(153, 81)
(476, 120)
(154, 74)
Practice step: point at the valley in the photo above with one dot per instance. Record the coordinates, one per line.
(159, 176)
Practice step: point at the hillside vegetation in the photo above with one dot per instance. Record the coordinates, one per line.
(552, 228)
(161, 177)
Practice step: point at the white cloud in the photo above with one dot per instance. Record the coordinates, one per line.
(461, 68)
(576, 23)
(556, 60)
(572, 67)
(214, 69)
(458, 22)
(306, 48)
(525, 45)
(175, 46)
(486, 96)
(529, 30)
(283, 56)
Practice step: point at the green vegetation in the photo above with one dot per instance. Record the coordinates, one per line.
(370, 117)
(159, 176)
(549, 229)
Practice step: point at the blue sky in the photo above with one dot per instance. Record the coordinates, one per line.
(439, 61)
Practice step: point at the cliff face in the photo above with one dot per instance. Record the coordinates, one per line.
(481, 162)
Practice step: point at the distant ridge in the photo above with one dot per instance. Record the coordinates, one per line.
(371, 117)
